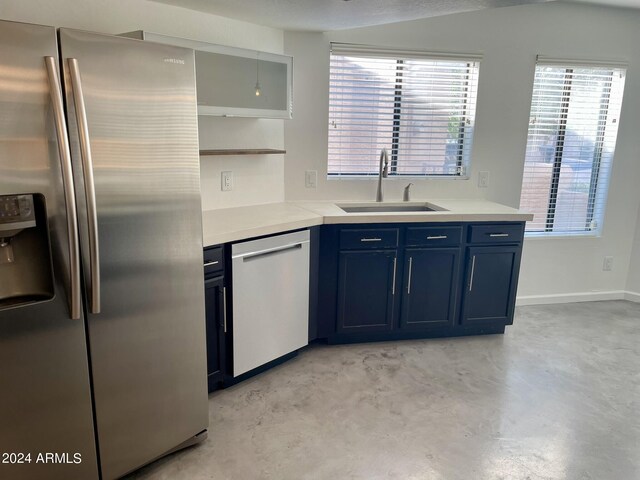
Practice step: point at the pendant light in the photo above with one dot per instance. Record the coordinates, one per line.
(257, 87)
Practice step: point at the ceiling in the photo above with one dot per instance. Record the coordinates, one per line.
(324, 15)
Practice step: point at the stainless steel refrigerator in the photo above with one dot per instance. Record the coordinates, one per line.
(102, 332)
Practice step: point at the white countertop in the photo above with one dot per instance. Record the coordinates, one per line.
(239, 223)
(231, 224)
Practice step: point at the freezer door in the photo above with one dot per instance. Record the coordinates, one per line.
(45, 396)
(143, 270)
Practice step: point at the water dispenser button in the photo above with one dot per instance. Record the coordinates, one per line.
(16, 209)
(25, 206)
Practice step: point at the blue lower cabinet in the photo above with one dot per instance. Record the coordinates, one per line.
(214, 304)
(444, 279)
(215, 315)
(366, 291)
(490, 284)
(430, 288)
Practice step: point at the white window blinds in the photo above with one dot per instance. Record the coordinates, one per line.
(419, 106)
(573, 125)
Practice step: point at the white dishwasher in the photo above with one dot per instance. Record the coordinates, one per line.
(270, 299)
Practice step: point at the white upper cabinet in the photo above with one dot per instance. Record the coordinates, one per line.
(236, 82)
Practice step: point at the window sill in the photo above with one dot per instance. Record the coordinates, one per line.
(398, 177)
(561, 236)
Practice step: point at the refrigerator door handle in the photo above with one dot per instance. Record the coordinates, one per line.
(75, 299)
(89, 184)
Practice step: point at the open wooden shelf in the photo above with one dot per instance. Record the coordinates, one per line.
(245, 151)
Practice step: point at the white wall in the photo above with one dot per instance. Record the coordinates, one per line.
(633, 280)
(258, 179)
(509, 39)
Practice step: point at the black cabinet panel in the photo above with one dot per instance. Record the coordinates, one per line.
(430, 288)
(366, 291)
(496, 233)
(491, 281)
(442, 235)
(214, 304)
(375, 238)
(213, 261)
(435, 291)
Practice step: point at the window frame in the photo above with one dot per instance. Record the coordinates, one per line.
(596, 205)
(462, 165)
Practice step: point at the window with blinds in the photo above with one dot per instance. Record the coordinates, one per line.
(419, 106)
(575, 111)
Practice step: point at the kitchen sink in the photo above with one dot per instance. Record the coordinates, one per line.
(390, 208)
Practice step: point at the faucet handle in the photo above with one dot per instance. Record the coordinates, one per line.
(407, 193)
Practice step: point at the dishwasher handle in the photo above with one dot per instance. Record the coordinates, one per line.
(270, 251)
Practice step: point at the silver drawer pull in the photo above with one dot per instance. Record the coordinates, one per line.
(393, 286)
(208, 264)
(498, 234)
(224, 308)
(437, 237)
(473, 270)
(375, 239)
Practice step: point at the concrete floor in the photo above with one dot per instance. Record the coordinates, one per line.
(556, 397)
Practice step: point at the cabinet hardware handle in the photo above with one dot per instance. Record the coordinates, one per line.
(437, 237)
(269, 251)
(371, 239)
(208, 264)
(498, 234)
(224, 308)
(393, 287)
(410, 272)
(473, 269)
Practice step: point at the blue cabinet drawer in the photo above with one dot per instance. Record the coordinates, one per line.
(434, 236)
(359, 238)
(496, 233)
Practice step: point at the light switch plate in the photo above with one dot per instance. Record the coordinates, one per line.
(227, 181)
(607, 264)
(311, 178)
(483, 179)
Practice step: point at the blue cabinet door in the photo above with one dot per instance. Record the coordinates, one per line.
(214, 305)
(430, 288)
(490, 284)
(366, 291)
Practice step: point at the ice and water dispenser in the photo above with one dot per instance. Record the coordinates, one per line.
(25, 254)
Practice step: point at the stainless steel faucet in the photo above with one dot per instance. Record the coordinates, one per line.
(382, 173)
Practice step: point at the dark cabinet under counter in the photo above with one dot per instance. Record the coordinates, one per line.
(490, 285)
(215, 323)
(430, 288)
(366, 291)
(216, 315)
(422, 280)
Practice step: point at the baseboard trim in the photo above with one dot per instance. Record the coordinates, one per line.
(632, 296)
(576, 297)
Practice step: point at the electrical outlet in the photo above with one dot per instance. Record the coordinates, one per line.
(607, 264)
(311, 178)
(227, 181)
(483, 179)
